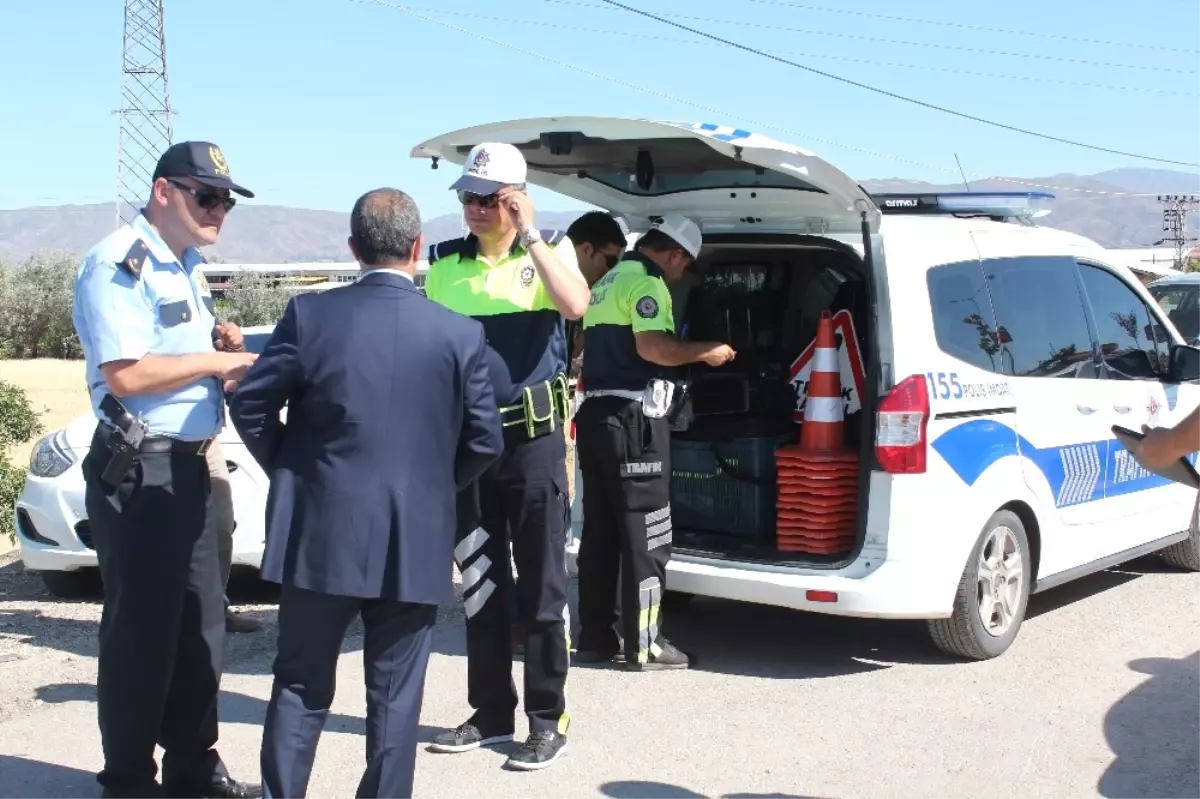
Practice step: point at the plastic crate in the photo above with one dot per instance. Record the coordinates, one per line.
(705, 496)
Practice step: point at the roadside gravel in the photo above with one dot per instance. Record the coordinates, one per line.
(48, 645)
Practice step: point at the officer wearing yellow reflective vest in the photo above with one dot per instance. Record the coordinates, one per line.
(520, 283)
(624, 446)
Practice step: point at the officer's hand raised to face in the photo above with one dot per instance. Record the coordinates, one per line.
(719, 355)
(518, 205)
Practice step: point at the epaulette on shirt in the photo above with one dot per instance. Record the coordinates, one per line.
(135, 259)
(456, 246)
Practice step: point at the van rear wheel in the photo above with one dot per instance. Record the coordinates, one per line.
(993, 595)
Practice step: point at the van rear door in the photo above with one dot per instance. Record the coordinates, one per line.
(727, 179)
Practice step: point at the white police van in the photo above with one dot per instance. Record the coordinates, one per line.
(985, 361)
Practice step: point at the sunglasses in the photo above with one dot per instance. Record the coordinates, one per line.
(482, 200)
(206, 198)
(611, 259)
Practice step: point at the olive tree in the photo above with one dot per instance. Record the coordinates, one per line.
(254, 299)
(36, 299)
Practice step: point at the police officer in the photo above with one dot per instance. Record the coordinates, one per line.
(624, 446)
(520, 283)
(599, 242)
(156, 384)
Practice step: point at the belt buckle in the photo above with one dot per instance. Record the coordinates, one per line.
(204, 445)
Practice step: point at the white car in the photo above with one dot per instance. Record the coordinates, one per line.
(52, 525)
(984, 363)
(1179, 297)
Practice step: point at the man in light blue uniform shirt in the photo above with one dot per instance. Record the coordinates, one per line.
(156, 383)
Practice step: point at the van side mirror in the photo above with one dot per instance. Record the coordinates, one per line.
(1184, 363)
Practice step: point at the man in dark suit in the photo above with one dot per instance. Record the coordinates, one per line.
(390, 412)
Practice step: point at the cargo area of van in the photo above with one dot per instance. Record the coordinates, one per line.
(774, 218)
(764, 295)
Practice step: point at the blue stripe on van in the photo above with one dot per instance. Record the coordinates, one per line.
(1076, 473)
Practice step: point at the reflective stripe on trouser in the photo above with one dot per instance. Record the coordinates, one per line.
(626, 465)
(525, 492)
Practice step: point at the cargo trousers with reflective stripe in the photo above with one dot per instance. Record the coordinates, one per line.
(625, 458)
(522, 495)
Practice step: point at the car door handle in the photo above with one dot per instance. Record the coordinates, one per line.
(1085, 409)
(1122, 408)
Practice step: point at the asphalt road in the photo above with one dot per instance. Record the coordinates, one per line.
(1099, 696)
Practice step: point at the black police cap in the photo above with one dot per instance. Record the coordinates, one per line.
(201, 161)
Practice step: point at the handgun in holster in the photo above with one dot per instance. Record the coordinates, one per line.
(679, 415)
(124, 442)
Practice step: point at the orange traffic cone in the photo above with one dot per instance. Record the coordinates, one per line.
(817, 507)
(823, 418)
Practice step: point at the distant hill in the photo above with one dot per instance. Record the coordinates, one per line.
(275, 234)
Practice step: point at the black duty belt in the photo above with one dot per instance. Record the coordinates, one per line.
(542, 405)
(159, 444)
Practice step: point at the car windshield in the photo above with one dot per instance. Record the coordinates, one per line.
(1181, 303)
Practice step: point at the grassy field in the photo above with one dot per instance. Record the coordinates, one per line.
(56, 390)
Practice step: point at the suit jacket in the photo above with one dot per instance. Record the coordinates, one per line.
(390, 412)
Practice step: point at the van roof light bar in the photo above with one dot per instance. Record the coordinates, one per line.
(1003, 205)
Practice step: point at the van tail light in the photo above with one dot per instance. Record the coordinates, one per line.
(900, 441)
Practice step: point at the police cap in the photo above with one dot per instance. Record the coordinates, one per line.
(201, 161)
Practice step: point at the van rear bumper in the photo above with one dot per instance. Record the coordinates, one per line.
(893, 591)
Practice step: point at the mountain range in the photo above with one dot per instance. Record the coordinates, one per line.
(1103, 207)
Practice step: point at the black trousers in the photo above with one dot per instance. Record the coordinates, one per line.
(625, 459)
(162, 631)
(395, 658)
(524, 492)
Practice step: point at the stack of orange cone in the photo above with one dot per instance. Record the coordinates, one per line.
(817, 508)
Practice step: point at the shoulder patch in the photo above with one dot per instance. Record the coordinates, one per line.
(647, 307)
(445, 248)
(135, 259)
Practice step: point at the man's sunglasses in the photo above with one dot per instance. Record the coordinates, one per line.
(206, 198)
(483, 200)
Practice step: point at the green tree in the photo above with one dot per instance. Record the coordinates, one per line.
(255, 299)
(18, 423)
(35, 307)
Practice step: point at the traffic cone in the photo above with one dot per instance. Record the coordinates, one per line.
(823, 418)
(817, 505)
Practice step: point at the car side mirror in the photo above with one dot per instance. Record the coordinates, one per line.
(1184, 363)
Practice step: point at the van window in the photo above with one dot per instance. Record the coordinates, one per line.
(1181, 303)
(1041, 321)
(1132, 344)
(963, 322)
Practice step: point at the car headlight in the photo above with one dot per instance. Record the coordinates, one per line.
(51, 456)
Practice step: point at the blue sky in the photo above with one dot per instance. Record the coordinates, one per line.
(316, 101)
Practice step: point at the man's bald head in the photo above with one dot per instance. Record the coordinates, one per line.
(385, 229)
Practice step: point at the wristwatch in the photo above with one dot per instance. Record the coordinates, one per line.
(529, 236)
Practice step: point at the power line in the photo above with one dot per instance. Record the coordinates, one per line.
(706, 43)
(965, 26)
(800, 136)
(896, 96)
(862, 38)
